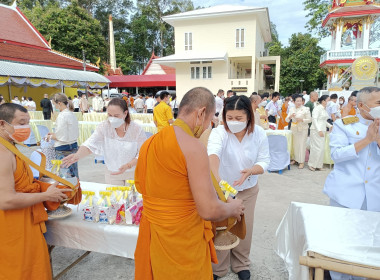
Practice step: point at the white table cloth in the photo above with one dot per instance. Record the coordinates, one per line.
(346, 234)
(73, 232)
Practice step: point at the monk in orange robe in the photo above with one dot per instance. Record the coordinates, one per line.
(23, 249)
(284, 113)
(173, 175)
(349, 109)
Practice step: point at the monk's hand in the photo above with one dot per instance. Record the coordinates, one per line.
(122, 169)
(55, 194)
(69, 160)
(321, 134)
(237, 208)
(245, 173)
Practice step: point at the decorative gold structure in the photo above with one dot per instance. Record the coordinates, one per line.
(364, 68)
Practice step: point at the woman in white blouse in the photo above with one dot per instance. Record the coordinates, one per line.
(238, 152)
(301, 117)
(318, 134)
(66, 132)
(118, 139)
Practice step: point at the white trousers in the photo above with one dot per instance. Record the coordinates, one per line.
(317, 149)
(299, 145)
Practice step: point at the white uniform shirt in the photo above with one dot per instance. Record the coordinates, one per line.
(331, 109)
(76, 103)
(355, 176)
(149, 103)
(67, 129)
(31, 105)
(235, 156)
(16, 101)
(290, 105)
(139, 103)
(117, 151)
(306, 97)
(97, 104)
(272, 108)
(218, 104)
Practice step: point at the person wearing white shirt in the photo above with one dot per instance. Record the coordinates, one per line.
(318, 134)
(300, 117)
(97, 103)
(118, 139)
(16, 101)
(219, 101)
(305, 96)
(238, 152)
(76, 103)
(174, 104)
(66, 132)
(273, 108)
(354, 142)
(332, 108)
(149, 103)
(139, 104)
(31, 105)
(24, 101)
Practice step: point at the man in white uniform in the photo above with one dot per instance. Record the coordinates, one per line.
(272, 108)
(354, 142)
(305, 96)
(332, 108)
(139, 104)
(219, 101)
(97, 103)
(149, 104)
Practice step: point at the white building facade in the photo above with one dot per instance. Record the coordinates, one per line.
(221, 47)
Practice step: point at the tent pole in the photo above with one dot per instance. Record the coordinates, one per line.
(10, 92)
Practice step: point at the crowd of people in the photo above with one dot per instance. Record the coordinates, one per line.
(177, 174)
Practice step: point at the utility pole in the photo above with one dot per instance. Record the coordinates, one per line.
(84, 60)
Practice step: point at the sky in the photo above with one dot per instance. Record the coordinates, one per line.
(288, 15)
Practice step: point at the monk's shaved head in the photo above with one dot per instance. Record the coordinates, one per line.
(195, 99)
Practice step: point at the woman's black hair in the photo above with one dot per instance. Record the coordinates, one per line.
(322, 98)
(240, 102)
(123, 106)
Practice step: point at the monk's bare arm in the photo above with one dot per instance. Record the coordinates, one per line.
(9, 198)
(214, 165)
(208, 205)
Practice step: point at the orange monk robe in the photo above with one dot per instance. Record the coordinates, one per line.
(23, 250)
(174, 241)
(352, 112)
(282, 123)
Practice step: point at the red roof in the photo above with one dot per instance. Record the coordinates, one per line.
(351, 13)
(20, 41)
(26, 54)
(16, 28)
(167, 69)
(142, 81)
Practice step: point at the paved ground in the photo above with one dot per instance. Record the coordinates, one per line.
(276, 193)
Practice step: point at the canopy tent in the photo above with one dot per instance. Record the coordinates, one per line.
(142, 81)
(20, 74)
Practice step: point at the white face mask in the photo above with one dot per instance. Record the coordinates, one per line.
(341, 102)
(116, 122)
(374, 112)
(236, 126)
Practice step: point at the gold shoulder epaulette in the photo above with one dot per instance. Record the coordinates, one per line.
(350, 120)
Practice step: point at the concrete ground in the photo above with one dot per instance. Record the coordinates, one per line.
(276, 193)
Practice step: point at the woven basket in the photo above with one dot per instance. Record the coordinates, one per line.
(224, 240)
(62, 212)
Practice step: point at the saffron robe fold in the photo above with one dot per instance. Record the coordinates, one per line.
(174, 241)
(23, 251)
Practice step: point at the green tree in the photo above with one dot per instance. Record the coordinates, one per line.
(299, 61)
(71, 28)
(317, 11)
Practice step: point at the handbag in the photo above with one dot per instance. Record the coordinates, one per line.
(74, 196)
(227, 232)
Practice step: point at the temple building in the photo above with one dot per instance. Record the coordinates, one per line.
(30, 67)
(222, 47)
(353, 60)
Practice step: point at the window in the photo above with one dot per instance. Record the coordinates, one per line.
(207, 72)
(240, 37)
(188, 41)
(195, 73)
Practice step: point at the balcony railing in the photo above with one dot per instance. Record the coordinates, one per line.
(349, 54)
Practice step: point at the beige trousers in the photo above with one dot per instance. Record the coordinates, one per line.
(238, 257)
(118, 180)
(299, 145)
(317, 149)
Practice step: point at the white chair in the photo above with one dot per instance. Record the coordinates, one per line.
(42, 130)
(31, 140)
(36, 158)
(279, 154)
